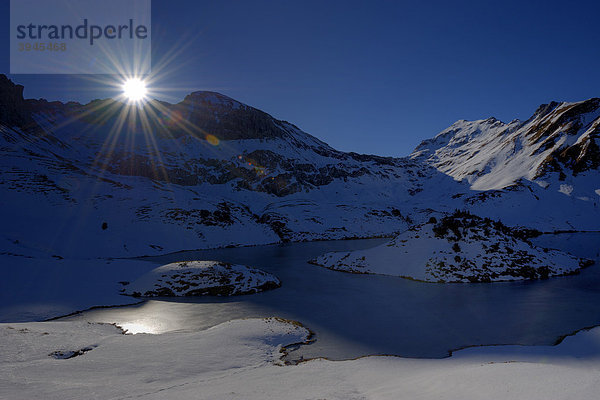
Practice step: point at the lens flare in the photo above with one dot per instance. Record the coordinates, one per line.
(212, 139)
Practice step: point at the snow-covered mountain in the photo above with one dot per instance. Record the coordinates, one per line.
(108, 179)
(558, 148)
(543, 172)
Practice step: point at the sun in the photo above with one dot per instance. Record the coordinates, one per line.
(134, 89)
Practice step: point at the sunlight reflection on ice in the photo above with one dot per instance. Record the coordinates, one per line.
(135, 327)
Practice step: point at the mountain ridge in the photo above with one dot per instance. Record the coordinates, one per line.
(559, 137)
(210, 171)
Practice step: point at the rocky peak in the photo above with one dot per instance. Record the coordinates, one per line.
(559, 140)
(227, 119)
(569, 118)
(545, 109)
(572, 129)
(214, 100)
(13, 108)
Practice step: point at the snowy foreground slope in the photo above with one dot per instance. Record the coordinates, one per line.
(106, 179)
(458, 248)
(199, 278)
(240, 360)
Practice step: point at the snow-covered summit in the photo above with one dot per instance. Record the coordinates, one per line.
(558, 146)
(213, 98)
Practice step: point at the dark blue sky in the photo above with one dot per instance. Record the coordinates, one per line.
(366, 76)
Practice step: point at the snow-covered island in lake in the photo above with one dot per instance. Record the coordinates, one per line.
(458, 248)
(199, 278)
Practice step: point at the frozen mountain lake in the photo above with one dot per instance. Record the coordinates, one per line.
(357, 315)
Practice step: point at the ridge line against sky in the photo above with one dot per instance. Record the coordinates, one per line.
(370, 77)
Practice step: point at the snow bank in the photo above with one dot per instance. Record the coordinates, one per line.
(198, 278)
(241, 360)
